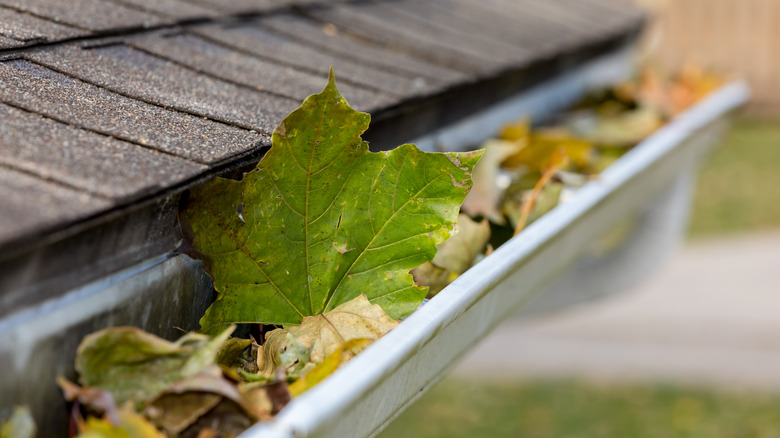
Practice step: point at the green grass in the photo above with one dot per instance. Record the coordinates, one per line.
(558, 409)
(739, 186)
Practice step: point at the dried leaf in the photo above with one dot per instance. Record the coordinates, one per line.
(525, 206)
(137, 366)
(550, 149)
(298, 349)
(344, 353)
(518, 131)
(20, 425)
(226, 420)
(455, 255)
(238, 356)
(130, 425)
(625, 129)
(174, 413)
(95, 399)
(485, 197)
(322, 220)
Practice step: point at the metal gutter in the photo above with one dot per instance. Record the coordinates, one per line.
(366, 394)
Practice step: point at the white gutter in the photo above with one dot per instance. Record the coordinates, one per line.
(370, 391)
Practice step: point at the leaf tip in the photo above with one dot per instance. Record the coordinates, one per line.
(332, 80)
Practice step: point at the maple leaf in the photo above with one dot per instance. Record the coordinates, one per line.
(455, 255)
(322, 220)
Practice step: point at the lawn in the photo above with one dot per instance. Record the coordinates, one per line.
(558, 409)
(739, 185)
(739, 191)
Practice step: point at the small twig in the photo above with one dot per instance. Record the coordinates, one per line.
(528, 206)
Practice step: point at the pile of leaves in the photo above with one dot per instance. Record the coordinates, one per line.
(526, 172)
(325, 245)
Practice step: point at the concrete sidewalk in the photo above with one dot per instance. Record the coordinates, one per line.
(711, 315)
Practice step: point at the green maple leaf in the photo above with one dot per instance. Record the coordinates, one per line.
(322, 220)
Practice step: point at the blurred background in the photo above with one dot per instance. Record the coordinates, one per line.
(693, 351)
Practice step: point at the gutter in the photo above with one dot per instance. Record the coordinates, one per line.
(365, 395)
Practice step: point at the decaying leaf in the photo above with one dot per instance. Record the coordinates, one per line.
(237, 356)
(331, 363)
(298, 349)
(522, 207)
(129, 425)
(625, 129)
(185, 401)
(134, 365)
(485, 197)
(455, 255)
(322, 220)
(19, 425)
(551, 149)
(94, 399)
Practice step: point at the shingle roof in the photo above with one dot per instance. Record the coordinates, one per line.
(111, 108)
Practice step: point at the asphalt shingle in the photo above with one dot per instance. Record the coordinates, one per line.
(47, 92)
(404, 39)
(31, 203)
(91, 15)
(143, 76)
(328, 38)
(255, 39)
(257, 74)
(28, 29)
(94, 163)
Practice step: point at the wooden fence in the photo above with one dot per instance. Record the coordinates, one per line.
(737, 37)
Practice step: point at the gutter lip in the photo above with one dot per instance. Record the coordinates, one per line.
(331, 400)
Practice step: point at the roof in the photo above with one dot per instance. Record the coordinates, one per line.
(110, 109)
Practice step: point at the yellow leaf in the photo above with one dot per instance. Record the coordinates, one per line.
(517, 131)
(543, 152)
(131, 425)
(347, 351)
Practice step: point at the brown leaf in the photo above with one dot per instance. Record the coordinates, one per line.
(347, 351)
(95, 399)
(298, 349)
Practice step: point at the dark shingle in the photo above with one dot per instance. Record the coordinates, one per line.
(396, 14)
(251, 71)
(246, 6)
(30, 203)
(78, 103)
(174, 9)
(405, 39)
(143, 76)
(26, 28)
(8, 43)
(84, 160)
(472, 17)
(265, 43)
(325, 37)
(95, 15)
